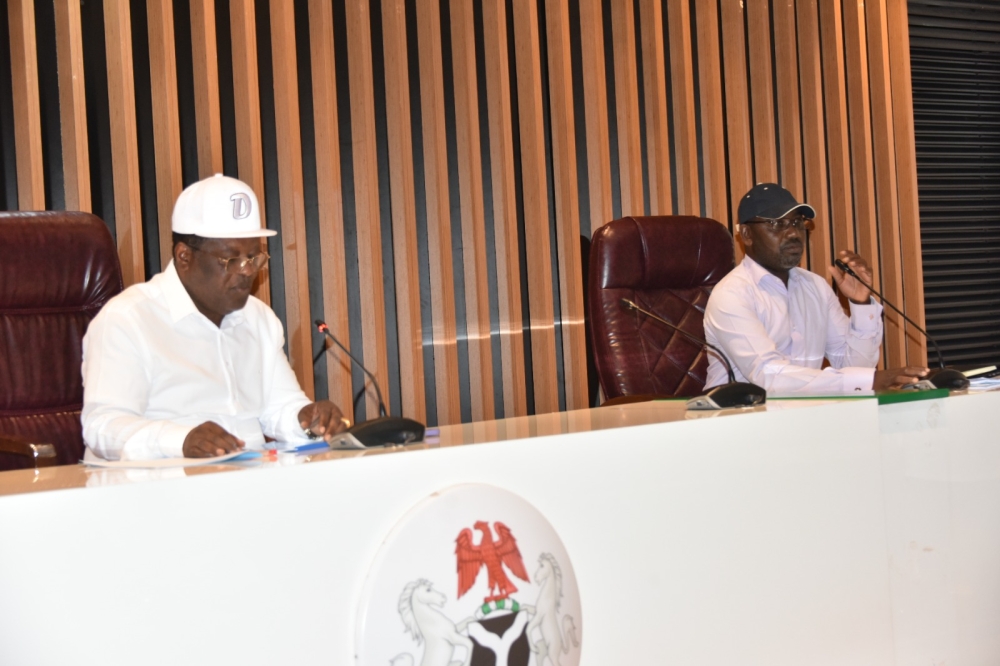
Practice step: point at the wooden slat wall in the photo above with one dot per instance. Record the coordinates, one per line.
(73, 106)
(439, 240)
(505, 231)
(124, 139)
(204, 52)
(166, 119)
(330, 202)
(404, 228)
(27, 112)
(495, 161)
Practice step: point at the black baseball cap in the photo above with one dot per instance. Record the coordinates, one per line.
(770, 200)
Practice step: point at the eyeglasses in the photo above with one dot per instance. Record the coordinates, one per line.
(237, 265)
(781, 224)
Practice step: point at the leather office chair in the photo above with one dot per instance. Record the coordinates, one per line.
(667, 265)
(57, 269)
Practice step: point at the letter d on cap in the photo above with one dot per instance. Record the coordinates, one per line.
(241, 206)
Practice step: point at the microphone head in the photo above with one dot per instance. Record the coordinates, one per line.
(844, 267)
(321, 326)
(629, 305)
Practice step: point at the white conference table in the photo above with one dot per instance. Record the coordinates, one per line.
(806, 532)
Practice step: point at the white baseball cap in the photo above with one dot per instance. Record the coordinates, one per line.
(218, 207)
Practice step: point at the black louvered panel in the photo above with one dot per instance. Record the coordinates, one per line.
(955, 56)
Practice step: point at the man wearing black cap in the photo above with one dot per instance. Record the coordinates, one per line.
(778, 322)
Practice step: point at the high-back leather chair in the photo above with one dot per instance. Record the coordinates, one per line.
(667, 265)
(57, 269)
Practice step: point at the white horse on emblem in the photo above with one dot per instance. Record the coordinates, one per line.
(555, 639)
(419, 606)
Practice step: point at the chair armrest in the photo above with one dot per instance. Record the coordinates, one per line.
(43, 455)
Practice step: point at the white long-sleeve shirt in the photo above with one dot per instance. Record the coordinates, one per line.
(154, 367)
(777, 337)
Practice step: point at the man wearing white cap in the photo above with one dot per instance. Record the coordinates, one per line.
(189, 363)
(777, 322)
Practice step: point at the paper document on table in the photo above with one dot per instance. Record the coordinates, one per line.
(984, 384)
(161, 462)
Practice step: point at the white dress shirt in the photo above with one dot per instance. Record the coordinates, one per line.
(154, 367)
(777, 336)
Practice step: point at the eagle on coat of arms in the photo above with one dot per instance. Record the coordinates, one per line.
(490, 554)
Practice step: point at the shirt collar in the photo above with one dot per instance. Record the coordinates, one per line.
(179, 300)
(758, 273)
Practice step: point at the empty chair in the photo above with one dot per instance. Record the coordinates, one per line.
(667, 265)
(57, 269)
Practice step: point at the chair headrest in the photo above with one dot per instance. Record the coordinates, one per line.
(56, 260)
(657, 252)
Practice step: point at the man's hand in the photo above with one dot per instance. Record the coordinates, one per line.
(210, 439)
(847, 284)
(323, 418)
(898, 377)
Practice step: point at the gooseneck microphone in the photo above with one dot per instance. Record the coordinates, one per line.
(733, 394)
(945, 377)
(385, 429)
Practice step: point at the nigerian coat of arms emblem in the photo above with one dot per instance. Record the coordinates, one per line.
(472, 576)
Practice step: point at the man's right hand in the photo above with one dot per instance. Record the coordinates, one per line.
(897, 377)
(208, 440)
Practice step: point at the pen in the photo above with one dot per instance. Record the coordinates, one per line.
(311, 447)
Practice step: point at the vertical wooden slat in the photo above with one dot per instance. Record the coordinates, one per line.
(883, 143)
(859, 117)
(330, 201)
(574, 337)
(438, 212)
(906, 175)
(536, 210)
(786, 81)
(654, 77)
(837, 142)
(505, 207)
(627, 109)
(290, 192)
(685, 121)
(246, 100)
(814, 147)
(595, 91)
(73, 106)
(204, 53)
(737, 106)
(762, 92)
(27, 109)
(470, 186)
(713, 129)
(166, 117)
(404, 211)
(366, 196)
(124, 141)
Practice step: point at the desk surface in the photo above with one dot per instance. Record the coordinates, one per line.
(805, 532)
(543, 425)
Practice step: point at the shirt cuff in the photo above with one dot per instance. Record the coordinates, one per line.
(171, 439)
(866, 318)
(857, 379)
(291, 432)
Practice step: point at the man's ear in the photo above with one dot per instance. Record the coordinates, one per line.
(745, 235)
(183, 256)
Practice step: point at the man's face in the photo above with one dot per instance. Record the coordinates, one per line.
(215, 291)
(777, 251)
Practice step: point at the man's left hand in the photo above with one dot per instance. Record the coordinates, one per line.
(847, 284)
(323, 418)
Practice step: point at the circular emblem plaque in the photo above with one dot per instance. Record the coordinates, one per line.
(473, 575)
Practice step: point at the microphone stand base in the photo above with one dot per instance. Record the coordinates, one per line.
(733, 394)
(388, 431)
(948, 378)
